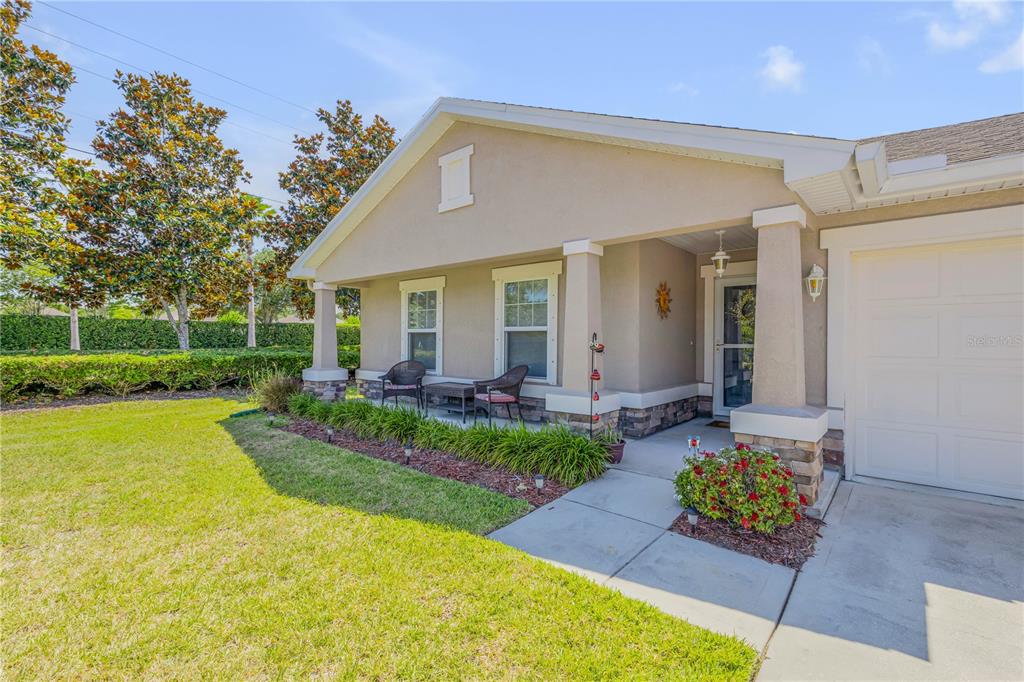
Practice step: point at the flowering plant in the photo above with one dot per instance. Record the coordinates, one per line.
(749, 488)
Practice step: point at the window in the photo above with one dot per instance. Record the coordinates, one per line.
(526, 319)
(455, 179)
(422, 321)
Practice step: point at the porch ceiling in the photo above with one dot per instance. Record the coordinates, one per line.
(735, 238)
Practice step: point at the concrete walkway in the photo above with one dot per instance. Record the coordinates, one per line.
(614, 531)
(907, 585)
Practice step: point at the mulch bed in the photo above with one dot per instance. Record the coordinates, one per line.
(43, 402)
(436, 463)
(790, 545)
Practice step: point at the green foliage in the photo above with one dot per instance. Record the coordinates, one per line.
(38, 332)
(272, 389)
(555, 451)
(22, 376)
(232, 316)
(749, 488)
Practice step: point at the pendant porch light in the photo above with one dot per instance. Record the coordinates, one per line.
(721, 258)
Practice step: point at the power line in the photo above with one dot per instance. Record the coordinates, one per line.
(180, 58)
(139, 68)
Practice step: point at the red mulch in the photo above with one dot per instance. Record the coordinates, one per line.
(436, 463)
(790, 545)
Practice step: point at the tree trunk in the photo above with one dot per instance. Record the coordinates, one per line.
(183, 319)
(75, 345)
(251, 313)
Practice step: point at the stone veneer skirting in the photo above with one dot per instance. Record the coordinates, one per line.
(633, 422)
(326, 390)
(803, 457)
(833, 448)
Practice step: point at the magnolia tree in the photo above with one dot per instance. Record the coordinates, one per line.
(173, 209)
(45, 199)
(329, 167)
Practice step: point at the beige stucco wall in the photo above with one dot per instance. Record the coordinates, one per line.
(468, 334)
(532, 192)
(620, 314)
(668, 346)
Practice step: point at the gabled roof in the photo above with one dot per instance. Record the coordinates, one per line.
(829, 175)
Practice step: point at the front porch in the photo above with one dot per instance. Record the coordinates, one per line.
(691, 355)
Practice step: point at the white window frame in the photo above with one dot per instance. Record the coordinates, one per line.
(455, 169)
(413, 286)
(520, 273)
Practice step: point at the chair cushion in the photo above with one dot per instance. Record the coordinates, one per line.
(400, 386)
(495, 398)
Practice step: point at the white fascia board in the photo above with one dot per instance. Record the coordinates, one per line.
(872, 167)
(984, 171)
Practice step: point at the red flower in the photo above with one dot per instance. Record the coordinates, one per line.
(708, 454)
(783, 490)
(789, 473)
(754, 516)
(744, 463)
(760, 460)
(764, 476)
(796, 517)
(714, 507)
(745, 522)
(753, 497)
(698, 470)
(803, 500)
(775, 457)
(742, 446)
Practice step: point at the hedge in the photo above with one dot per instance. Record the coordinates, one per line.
(65, 376)
(555, 451)
(41, 332)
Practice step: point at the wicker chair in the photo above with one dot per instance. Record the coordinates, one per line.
(503, 390)
(405, 378)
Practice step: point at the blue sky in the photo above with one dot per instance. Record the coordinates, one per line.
(834, 69)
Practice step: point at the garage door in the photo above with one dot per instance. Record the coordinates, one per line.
(939, 366)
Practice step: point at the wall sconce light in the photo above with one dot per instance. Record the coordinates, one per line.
(721, 258)
(815, 280)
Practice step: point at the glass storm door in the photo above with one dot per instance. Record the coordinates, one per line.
(734, 343)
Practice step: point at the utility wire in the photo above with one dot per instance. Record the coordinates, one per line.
(178, 57)
(139, 68)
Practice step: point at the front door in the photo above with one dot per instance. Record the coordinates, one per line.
(734, 343)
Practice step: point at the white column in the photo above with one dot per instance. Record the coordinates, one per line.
(325, 336)
(582, 311)
(779, 339)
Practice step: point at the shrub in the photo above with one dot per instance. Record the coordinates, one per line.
(749, 488)
(39, 332)
(272, 389)
(557, 452)
(122, 373)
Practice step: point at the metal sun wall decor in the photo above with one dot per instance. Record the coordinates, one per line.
(663, 296)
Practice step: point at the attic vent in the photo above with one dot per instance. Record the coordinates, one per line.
(455, 179)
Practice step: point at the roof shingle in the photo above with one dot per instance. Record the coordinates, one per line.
(960, 142)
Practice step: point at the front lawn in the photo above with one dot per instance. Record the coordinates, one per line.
(162, 539)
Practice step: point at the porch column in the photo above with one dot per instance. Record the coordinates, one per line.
(779, 345)
(779, 418)
(324, 378)
(582, 312)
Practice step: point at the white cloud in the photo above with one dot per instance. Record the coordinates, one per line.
(872, 56)
(684, 88)
(992, 11)
(952, 38)
(423, 75)
(973, 17)
(781, 70)
(1010, 59)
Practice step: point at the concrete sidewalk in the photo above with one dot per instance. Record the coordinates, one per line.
(613, 531)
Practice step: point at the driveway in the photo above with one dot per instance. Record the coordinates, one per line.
(906, 585)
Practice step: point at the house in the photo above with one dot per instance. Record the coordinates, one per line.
(498, 234)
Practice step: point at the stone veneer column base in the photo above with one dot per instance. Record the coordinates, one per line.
(803, 457)
(326, 384)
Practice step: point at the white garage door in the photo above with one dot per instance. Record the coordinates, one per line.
(939, 366)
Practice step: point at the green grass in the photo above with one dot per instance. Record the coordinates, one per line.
(160, 539)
